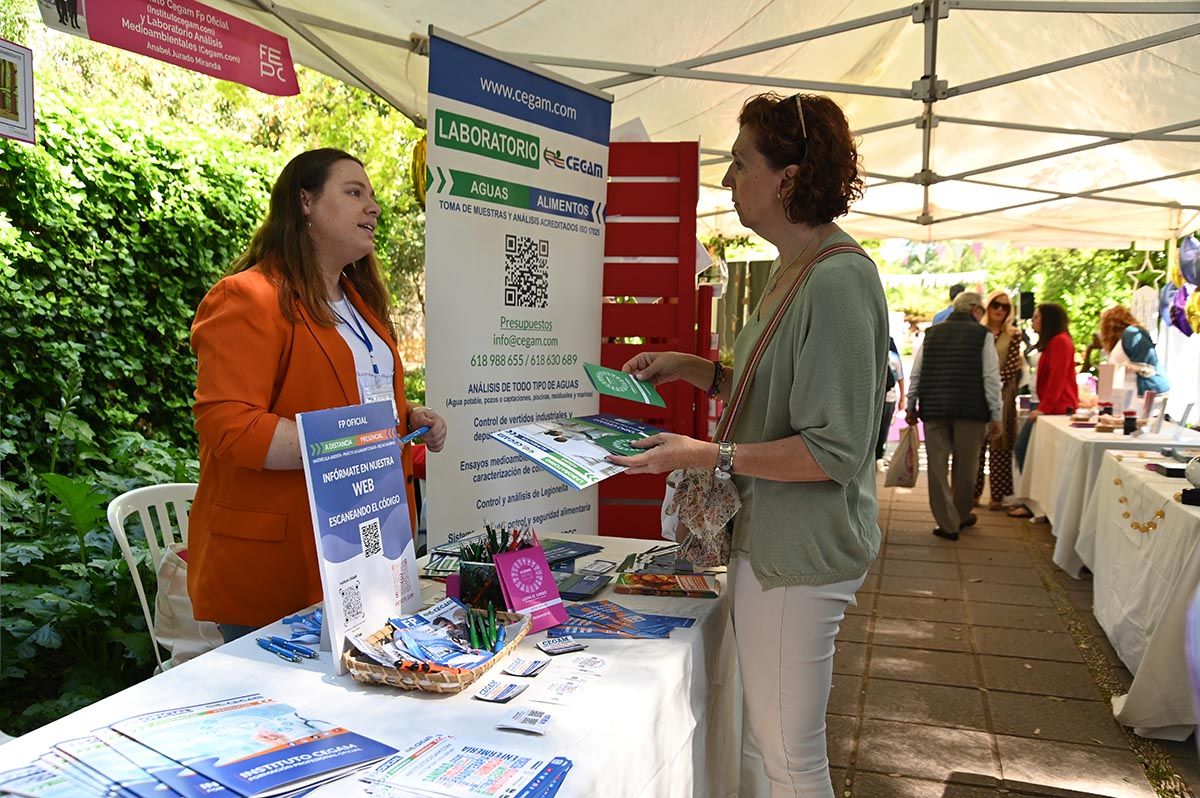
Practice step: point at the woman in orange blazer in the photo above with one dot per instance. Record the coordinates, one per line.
(300, 323)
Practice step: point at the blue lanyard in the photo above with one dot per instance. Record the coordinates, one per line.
(359, 331)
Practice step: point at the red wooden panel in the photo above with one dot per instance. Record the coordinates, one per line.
(640, 487)
(642, 239)
(617, 355)
(650, 414)
(641, 279)
(643, 199)
(651, 158)
(649, 321)
(631, 521)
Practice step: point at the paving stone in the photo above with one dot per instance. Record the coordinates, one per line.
(923, 665)
(839, 738)
(900, 551)
(933, 704)
(1081, 599)
(986, 531)
(854, 628)
(849, 658)
(909, 633)
(1014, 616)
(928, 570)
(920, 587)
(912, 513)
(990, 543)
(844, 694)
(1008, 594)
(931, 752)
(1051, 718)
(1088, 770)
(918, 536)
(1041, 677)
(1002, 575)
(863, 604)
(870, 584)
(877, 785)
(1026, 643)
(922, 609)
(1015, 559)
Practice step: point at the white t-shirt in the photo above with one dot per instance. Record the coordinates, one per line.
(373, 363)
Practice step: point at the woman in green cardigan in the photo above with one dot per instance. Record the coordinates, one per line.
(802, 453)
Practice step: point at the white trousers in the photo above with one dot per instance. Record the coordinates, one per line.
(785, 640)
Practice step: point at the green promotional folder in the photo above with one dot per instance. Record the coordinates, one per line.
(612, 382)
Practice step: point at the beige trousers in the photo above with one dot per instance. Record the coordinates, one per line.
(952, 488)
(785, 640)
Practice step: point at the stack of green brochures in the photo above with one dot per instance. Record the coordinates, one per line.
(612, 382)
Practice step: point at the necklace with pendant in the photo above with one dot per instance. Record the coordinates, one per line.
(818, 236)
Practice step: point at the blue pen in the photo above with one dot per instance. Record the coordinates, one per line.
(282, 653)
(295, 648)
(500, 635)
(412, 436)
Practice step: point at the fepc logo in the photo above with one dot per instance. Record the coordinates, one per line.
(573, 163)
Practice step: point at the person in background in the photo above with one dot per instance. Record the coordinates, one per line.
(954, 388)
(1129, 344)
(1057, 391)
(801, 452)
(945, 312)
(893, 400)
(997, 450)
(301, 322)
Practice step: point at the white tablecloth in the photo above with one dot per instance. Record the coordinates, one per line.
(1060, 469)
(1142, 585)
(665, 718)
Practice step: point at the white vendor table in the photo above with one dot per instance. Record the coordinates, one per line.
(1142, 587)
(664, 719)
(1060, 470)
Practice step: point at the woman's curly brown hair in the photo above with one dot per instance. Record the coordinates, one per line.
(1113, 323)
(828, 180)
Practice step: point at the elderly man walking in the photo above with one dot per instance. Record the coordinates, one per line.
(954, 388)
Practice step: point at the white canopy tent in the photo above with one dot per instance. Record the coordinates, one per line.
(1053, 122)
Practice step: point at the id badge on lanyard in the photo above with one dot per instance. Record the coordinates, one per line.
(377, 388)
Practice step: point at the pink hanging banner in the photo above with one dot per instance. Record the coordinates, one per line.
(185, 33)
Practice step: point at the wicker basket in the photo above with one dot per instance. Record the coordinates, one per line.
(435, 682)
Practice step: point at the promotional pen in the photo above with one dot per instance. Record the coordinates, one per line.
(295, 648)
(412, 436)
(282, 653)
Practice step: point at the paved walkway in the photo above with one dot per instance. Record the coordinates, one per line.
(975, 668)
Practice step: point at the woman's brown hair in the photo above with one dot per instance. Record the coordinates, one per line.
(820, 144)
(283, 246)
(1054, 321)
(1113, 323)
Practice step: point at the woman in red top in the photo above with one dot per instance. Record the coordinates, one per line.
(1057, 391)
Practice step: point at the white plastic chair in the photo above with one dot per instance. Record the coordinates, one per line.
(160, 530)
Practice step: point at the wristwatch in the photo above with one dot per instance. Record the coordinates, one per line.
(725, 451)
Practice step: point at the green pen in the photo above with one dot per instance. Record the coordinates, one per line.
(491, 625)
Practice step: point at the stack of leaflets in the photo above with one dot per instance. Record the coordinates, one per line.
(576, 450)
(580, 586)
(684, 585)
(247, 746)
(608, 620)
(560, 554)
(442, 766)
(444, 637)
(662, 559)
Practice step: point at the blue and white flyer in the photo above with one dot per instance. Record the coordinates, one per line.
(514, 250)
(359, 501)
(254, 746)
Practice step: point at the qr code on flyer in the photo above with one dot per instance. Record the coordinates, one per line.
(526, 272)
(371, 534)
(352, 607)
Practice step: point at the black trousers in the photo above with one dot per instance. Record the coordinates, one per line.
(885, 424)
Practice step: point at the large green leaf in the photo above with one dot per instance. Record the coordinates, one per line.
(84, 504)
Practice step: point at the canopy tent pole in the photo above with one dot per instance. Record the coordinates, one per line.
(1069, 131)
(1066, 195)
(1157, 7)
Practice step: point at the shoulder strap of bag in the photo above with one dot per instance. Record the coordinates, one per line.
(742, 389)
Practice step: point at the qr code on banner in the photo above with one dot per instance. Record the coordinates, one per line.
(372, 537)
(352, 606)
(526, 272)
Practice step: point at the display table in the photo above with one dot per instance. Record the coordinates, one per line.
(1060, 469)
(663, 719)
(1142, 586)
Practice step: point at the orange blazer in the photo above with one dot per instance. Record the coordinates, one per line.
(251, 552)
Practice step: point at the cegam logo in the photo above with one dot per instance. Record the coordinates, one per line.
(573, 163)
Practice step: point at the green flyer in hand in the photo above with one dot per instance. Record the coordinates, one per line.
(612, 382)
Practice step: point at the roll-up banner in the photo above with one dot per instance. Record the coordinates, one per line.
(514, 246)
